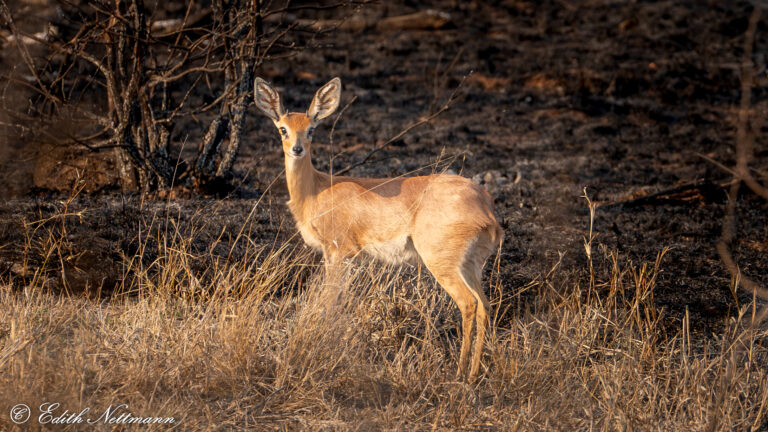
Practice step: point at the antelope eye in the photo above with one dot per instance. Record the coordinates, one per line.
(283, 131)
(310, 130)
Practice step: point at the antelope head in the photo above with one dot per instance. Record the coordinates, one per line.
(296, 128)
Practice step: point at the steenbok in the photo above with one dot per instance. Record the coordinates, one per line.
(445, 220)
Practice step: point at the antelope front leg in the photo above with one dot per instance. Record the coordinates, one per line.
(334, 266)
(334, 275)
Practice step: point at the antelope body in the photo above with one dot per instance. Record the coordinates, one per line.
(447, 221)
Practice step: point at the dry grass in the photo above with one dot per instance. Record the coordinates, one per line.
(252, 342)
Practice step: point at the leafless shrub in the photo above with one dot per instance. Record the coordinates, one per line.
(149, 73)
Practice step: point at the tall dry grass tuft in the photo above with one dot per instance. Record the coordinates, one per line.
(247, 339)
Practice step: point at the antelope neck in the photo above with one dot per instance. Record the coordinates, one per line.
(302, 179)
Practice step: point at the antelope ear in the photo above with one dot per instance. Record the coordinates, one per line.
(267, 100)
(326, 100)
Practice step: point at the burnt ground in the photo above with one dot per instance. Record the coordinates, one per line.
(622, 98)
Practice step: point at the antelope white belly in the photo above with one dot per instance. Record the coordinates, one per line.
(395, 251)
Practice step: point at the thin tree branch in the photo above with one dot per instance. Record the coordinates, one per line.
(744, 144)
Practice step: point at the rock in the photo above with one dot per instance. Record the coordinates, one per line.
(491, 176)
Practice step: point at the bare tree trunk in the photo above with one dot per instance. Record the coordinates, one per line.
(239, 108)
(141, 139)
(215, 160)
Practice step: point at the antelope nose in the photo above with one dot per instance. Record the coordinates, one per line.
(297, 150)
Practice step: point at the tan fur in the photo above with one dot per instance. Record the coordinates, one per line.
(445, 220)
(297, 121)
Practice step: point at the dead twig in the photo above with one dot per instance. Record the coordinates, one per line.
(704, 189)
(745, 139)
